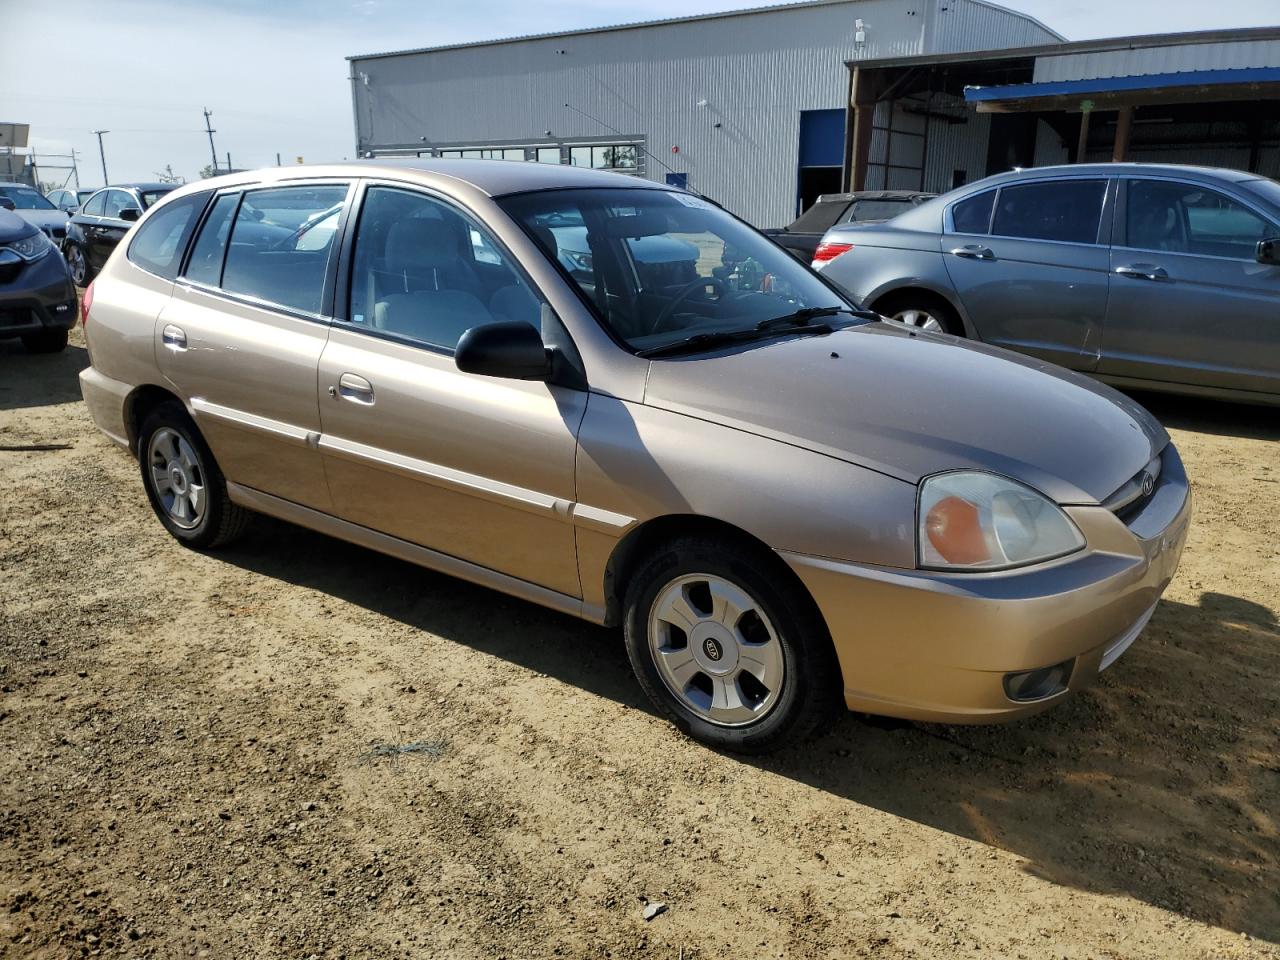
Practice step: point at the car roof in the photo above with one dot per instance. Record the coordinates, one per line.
(1118, 169)
(140, 186)
(493, 177)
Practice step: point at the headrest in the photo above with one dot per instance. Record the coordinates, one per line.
(416, 245)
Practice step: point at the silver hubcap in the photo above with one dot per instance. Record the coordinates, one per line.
(716, 650)
(75, 260)
(177, 477)
(919, 318)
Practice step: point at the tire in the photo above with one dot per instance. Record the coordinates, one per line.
(923, 311)
(78, 263)
(167, 442)
(767, 716)
(48, 340)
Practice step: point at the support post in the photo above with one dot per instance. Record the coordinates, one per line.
(864, 96)
(1086, 108)
(1124, 123)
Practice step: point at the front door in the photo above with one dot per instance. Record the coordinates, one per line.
(1028, 266)
(110, 228)
(475, 467)
(1189, 303)
(242, 335)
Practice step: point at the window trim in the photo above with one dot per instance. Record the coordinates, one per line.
(948, 220)
(1102, 238)
(185, 244)
(326, 296)
(84, 206)
(1120, 231)
(341, 312)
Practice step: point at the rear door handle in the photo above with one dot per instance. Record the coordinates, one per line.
(973, 251)
(1144, 271)
(174, 338)
(356, 389)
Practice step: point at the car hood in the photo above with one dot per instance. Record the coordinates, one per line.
(44, 218)
(909, 404)
(12, 226)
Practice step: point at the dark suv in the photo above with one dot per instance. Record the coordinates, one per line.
(37, 299)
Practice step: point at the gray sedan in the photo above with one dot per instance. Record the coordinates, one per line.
(1143, 275)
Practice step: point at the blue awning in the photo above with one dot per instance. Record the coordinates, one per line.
(1105, 85)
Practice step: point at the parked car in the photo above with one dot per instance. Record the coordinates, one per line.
(865, 206)
(715, 456)
(68, 200)
(37, 300)
(31, 205)
(1143, 275)
(102, 222)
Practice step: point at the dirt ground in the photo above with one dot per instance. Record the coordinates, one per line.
(297, 748)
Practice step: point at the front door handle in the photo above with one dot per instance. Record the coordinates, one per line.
(356, 389)
(1144, 271)
(174, 338)
(973, 251)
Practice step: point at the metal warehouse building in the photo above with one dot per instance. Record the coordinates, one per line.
(765, 109)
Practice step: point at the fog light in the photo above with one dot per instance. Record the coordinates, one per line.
(1037, 684)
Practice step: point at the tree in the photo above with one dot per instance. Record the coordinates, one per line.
(208, 171)
(45, 186)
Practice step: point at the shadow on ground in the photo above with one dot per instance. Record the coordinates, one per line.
(39, 379)
(1137, 787)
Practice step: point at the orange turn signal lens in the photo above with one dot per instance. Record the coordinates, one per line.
(954, 528)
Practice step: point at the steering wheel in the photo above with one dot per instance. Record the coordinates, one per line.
(685, 292)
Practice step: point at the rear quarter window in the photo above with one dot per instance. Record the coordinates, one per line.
(973, 215)
(158, 243)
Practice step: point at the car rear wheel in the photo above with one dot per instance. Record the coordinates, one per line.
(78, 264)
(726, 648)
(923, 312)
(186, 489)
(46, 341)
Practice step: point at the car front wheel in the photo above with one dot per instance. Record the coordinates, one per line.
(186, 489)
(727, 647)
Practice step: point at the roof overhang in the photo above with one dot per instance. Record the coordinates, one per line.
(1110, 93)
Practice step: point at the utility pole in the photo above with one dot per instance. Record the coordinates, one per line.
(228, 161)
(209, 128)
(102, 154)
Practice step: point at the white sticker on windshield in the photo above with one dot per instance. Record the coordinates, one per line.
(689, 200)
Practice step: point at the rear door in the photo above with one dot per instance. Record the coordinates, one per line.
(241, 337)
(1189, 302)
(479, 468)
(1029, 262)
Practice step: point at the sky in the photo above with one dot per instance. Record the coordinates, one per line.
(274, 76)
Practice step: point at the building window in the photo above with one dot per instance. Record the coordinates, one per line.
(547, 155)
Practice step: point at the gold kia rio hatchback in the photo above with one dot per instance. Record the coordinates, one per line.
(618, 400)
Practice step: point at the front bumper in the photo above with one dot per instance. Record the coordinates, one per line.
(36, 296)
(936, 646)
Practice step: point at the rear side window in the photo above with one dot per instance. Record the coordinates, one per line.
(97, 204)
(281, 244)
(205, 265)
(158, 243)
(974, 214)
(1188, 218)
(1067, 211)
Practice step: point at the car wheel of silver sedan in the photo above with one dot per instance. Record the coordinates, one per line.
(728, 646)
(183, 482)
(915, 317)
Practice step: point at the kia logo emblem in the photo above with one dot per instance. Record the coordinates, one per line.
(712, 650)
(1148, 484)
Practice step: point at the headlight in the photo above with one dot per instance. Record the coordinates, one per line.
(971, 520)
(30, 248)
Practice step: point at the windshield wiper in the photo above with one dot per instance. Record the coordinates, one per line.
(806, 315)
(707, 341)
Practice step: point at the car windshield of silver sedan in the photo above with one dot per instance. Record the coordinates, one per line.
(671, 273)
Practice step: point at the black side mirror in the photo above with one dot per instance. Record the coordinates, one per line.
(1268, 251)
(130, 213)
(7, 204)
(510, 349)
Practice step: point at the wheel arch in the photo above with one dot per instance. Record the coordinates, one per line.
(919, 287)
(641, 541)
(140, 402)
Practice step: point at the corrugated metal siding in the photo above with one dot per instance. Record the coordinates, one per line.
(1178, 58)
(756, 71)
(1050, 149)
(968, 25)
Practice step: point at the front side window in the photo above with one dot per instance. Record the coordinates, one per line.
(24, 198)
(118, 200)
(281, 243)
(1067, 211)
(973, 215)
(205, 265)
(97, 204)
(1188, 218)
(659, 267)
(425, 271)
(158, 242)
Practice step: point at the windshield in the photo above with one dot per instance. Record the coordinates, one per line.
(660, 266)
(25, 198)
